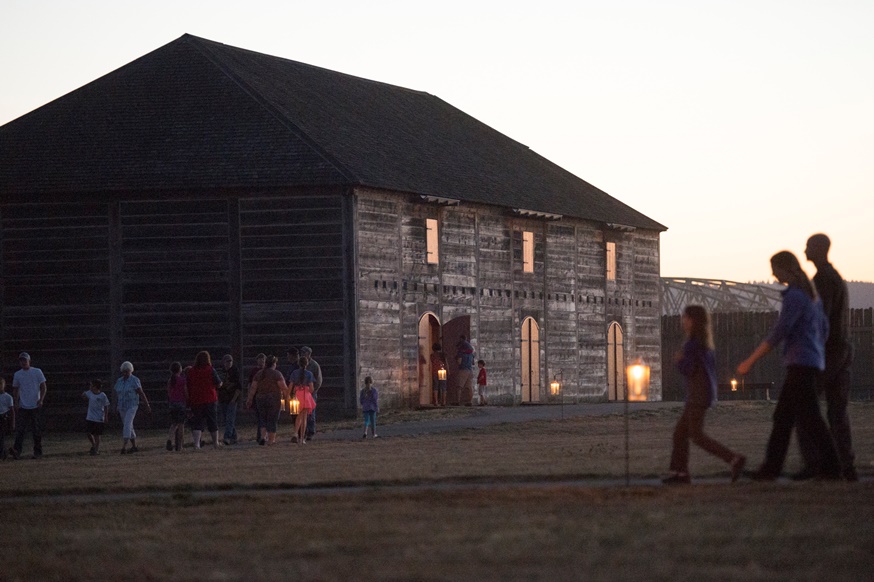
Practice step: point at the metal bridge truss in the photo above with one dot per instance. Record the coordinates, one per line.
(717, 295)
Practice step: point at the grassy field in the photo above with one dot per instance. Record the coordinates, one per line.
(491, 503)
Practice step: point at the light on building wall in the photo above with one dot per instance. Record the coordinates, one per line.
(555, 387)
(638, 381)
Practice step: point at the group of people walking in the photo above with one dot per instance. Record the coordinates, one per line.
(813, 327)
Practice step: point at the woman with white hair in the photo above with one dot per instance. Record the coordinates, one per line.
(129, 393)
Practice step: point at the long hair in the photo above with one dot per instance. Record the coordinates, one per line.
(701, 328)
(202, 359)
(795, 275)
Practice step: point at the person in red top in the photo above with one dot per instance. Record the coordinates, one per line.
(203, 380)
(481, 382)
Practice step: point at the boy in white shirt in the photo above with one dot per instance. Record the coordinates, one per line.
(98, 414)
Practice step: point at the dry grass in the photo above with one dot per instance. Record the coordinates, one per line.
(748, 531)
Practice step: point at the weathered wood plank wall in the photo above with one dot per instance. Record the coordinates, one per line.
(480, 274)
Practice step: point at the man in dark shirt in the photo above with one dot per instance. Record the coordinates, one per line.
(229, 397)
(835, 380)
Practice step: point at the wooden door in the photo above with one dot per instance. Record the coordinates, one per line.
(530, 360)
(452, 332)
(429, 334)
(615, 363)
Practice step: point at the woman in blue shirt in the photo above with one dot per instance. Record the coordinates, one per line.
(803, 329)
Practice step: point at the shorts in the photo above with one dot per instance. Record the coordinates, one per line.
(178, 412)
(94, 428)
(204, 414)
(439, 386)
(370, 418)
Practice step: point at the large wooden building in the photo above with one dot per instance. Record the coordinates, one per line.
(209, 197)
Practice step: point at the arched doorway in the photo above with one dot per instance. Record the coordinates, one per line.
(615, 363)
(429, 334)
(530, 360)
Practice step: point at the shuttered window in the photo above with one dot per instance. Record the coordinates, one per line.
(527, 251)
(611, 261)
(432, 242)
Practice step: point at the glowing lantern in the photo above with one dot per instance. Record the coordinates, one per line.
(555, 387)
(282, 407)
(638, 381)
(733, 385)
(294, 406)
(441, 373)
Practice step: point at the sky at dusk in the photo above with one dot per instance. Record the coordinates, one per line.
(743, 126)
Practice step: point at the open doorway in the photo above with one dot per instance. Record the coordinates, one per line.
(429, 334)
(530, 360)
(615, 363)
(452, 332)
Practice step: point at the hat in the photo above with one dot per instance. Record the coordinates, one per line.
(23, 356)
(306, 350)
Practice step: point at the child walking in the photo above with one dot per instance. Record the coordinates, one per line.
(697, 363)
(301, 386)
(7, 417)
(481, 382)
(98, 414)
(369, 399)
(177, 398)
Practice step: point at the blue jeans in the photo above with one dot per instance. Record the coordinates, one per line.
(228, 411)
(311, 420)
(29, 419)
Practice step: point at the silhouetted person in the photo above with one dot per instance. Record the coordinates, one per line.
(835, 380)
(802, 328)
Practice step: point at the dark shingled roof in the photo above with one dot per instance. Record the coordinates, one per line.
(197, 114)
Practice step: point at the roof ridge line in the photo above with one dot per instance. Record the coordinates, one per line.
(278, 115)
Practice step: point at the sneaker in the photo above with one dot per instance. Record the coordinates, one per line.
(375, 436)
(262, 442)
(364, 436)
(294, 439)
(123, 451)
(169, 445)
(36, 455)
(677, 479)
(737, 467)
(92, 452)
(133, 450)
(226, 442)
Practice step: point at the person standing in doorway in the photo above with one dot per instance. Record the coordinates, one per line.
(802, 328)
(438, 362)
(835, 380)
(229, 398)
(464, 356)
(316, 370)
(29, 392)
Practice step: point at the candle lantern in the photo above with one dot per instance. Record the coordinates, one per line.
(294, 406)
(441, 373)
(638, 381)
(733, 385)
(282, 406)
(555, 387)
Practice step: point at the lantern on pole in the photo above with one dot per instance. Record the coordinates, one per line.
(555, 387)
(638, 381)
